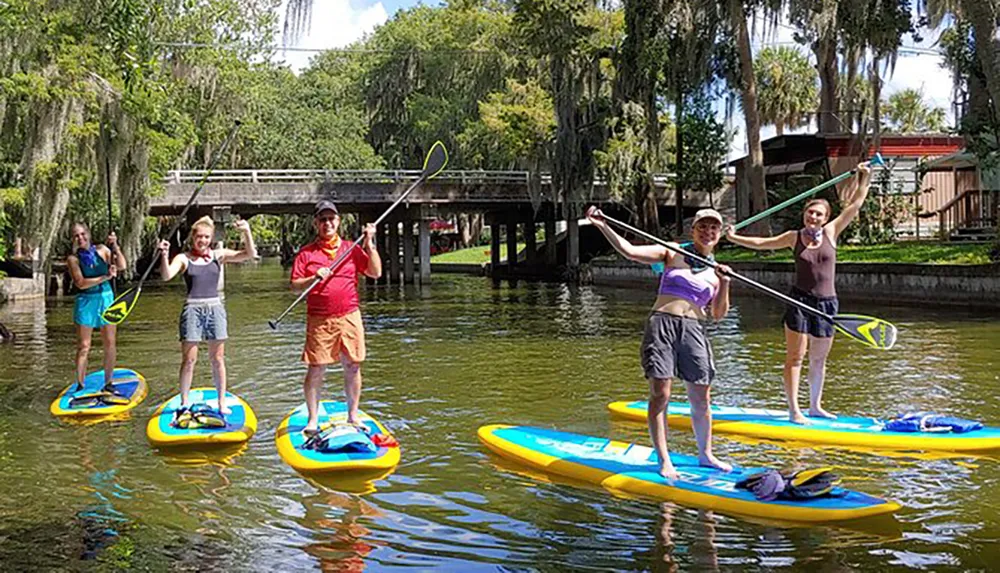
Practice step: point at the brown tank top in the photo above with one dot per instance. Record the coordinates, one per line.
(814, 268)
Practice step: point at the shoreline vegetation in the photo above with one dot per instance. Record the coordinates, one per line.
(909, 252)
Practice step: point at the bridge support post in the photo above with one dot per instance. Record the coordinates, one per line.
(408, 251)
(383, 248)
(572, 242)
(494, 246)
(530, 246)
(511, 242)
(394, 252)
(550, 241)
(424, 239)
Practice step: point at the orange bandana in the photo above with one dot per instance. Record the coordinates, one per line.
(329, 247)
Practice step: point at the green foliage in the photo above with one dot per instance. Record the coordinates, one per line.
(705, 145)
(906, 112)
(786, 87)
(514, 127)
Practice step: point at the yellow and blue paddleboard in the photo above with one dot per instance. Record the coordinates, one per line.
(128, 384)
(633, 469)
(241, 423)
(842, 431)
(290, 441)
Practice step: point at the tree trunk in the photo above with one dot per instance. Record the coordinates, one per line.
(748, 91)
(983, 18)
(825, 49)
(678, 180)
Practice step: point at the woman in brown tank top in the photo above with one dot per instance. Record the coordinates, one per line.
(815, 247)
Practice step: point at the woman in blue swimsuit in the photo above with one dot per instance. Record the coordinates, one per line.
(92, 268)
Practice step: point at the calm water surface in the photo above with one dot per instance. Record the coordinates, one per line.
(444, 360)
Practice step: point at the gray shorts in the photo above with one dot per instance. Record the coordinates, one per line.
(676, 347)
(203, 320)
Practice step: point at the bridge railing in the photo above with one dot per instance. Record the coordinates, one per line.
(341, 176)
(367, 176)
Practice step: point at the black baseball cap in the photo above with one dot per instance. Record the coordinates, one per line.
(324, 205)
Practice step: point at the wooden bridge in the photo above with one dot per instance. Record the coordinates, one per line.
(504, 197)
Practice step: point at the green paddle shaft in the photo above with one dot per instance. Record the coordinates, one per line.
(876, 160)
(713, 264)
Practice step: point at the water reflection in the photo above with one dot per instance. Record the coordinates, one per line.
(445, 359)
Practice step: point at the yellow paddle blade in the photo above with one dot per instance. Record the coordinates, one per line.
(804, 476)
(122, 306)
(436, 159)
(868, 330)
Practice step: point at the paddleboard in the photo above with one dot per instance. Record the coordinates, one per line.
(241, 423)
(290, 441)
(127, 383)
(843, 431)
(632, 469)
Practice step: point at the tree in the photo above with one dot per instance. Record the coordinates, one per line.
(906, 112)
(786, 87)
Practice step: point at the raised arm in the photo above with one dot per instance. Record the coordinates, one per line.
(785, 240)
(374, 268)
(853, 201)
(116, 256)
(249, 250)
(169, 270)
(645, 254)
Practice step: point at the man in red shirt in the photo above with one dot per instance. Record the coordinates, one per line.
(334, 331)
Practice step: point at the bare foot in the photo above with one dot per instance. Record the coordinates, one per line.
(709, 460)
(821, 413)
(797, 418)
(223, 409)
(667, 470)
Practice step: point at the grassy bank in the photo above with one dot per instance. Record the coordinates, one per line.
(479, 254)
(902, 252)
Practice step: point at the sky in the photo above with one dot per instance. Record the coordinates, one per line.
(337, 23)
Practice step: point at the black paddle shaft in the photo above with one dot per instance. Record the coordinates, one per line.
(194, 195)
(768, 290)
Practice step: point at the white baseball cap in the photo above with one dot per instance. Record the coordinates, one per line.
(707, 214)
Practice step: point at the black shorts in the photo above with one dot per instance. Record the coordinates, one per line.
(676, 347)
(805, 322)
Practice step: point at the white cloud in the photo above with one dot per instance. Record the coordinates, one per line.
(335, 24)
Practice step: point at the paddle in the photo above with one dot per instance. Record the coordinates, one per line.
(123, 305)
(870, 331)
(435, 161)
(107, 179)
(876, 161)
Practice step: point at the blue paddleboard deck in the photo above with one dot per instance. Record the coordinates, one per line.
(633, 469)
(127, 384)
(290, 440)
(844, 431)
(241, 422)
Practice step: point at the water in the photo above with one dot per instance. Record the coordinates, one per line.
(444, 360)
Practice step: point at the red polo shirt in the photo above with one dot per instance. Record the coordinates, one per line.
(336, 295)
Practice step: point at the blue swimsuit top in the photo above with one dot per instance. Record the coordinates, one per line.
(93, 265)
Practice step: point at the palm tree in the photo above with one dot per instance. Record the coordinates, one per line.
(906, 112)
(786, 87)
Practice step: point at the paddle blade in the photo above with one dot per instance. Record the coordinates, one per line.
(435, 161)
(868, 330)
(122, 306)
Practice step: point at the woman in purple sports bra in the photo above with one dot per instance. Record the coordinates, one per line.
(674, 344)
(815, 247)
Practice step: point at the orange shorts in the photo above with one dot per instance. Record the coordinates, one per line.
(327, 337)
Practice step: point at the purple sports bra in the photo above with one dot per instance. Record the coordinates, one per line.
(687, 285)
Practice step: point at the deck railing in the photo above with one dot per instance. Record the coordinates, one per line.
(973, 209)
